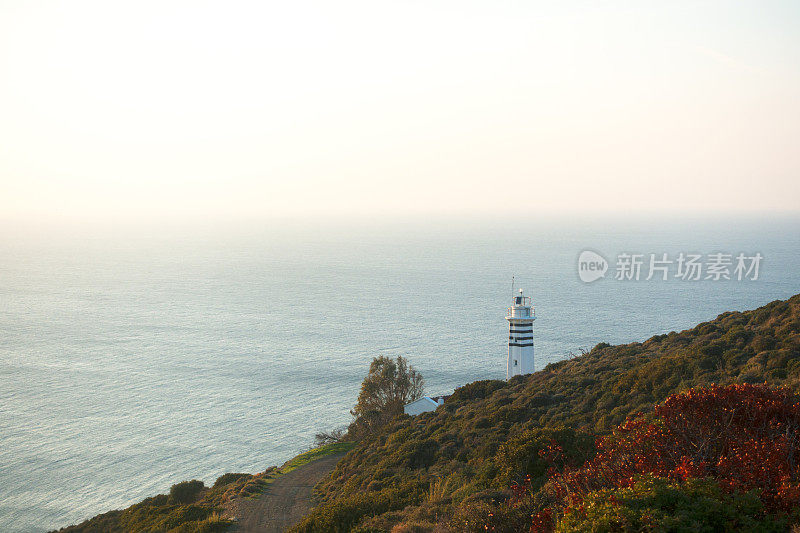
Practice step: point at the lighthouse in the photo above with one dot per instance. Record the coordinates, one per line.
(520, 318)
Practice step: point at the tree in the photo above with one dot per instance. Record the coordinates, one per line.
(389, 385)
(329, 437)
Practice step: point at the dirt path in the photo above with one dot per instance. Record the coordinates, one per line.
(286, 500)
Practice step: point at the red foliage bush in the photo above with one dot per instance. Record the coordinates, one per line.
(744, 436)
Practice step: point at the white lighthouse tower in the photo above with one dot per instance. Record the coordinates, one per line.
(520, 336)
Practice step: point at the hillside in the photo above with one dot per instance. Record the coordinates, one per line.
(190, 507)
(439, 469)
(448, 470)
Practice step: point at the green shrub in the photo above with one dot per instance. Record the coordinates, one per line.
(230, 477)
(525, 454)
(186, 491)
(656, 504)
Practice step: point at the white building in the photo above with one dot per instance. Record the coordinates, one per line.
(520, 337)
(423, 405)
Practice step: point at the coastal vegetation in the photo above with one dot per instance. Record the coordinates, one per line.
(712, 458)
(456, 468)
(390, 384)
(191, 507)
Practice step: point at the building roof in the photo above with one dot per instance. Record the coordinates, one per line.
(433, 399)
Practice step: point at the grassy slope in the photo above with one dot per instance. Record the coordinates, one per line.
(314, 454)
(161, 513)
(427, 469)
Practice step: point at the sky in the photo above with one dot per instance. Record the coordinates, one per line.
(212, 110)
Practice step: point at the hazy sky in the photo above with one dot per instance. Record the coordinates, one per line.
(294, 108)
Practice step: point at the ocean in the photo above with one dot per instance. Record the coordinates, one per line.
(133, 359)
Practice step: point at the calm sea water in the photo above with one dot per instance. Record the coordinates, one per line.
(131, 361)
